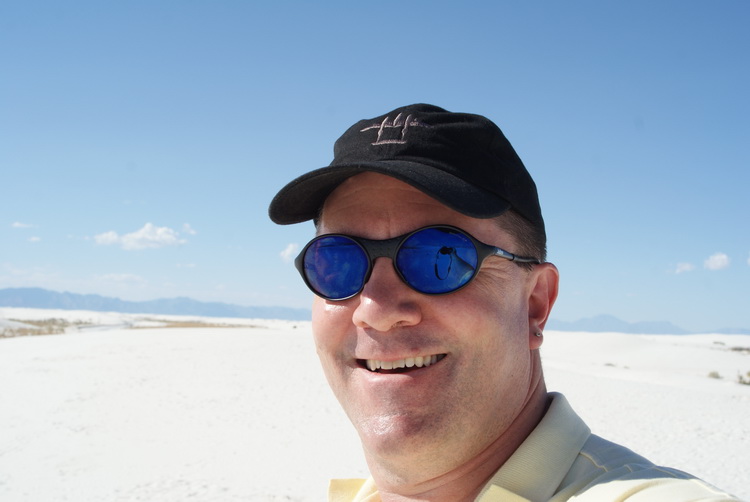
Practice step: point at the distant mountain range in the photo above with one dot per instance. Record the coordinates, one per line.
(602, 323)
(608, 323)
(45, 299)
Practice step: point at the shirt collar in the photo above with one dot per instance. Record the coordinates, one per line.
(539, 465)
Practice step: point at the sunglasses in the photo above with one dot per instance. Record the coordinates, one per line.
(432, 260)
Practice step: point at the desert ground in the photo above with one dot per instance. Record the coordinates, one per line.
(123, 407)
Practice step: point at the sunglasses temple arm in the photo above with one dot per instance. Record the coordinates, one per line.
(512, 257)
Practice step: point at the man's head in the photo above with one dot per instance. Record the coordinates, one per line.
(434, 383)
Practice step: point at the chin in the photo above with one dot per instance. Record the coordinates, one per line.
(397, 434)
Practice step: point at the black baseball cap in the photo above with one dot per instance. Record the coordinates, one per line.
(462, 160)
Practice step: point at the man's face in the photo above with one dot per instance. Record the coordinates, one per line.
(486, 369)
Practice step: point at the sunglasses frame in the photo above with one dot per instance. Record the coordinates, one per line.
(389, 248)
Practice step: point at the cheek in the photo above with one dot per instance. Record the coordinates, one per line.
(331, 325)
(503, 299)
(323, 325)
(494, 321)
(335, 336)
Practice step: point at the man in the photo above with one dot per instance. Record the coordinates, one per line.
(432, 293)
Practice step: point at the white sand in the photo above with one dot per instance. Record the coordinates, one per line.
(244, 414)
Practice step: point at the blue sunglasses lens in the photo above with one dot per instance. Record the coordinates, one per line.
(432, 261)
(335, 267)
(437, 260)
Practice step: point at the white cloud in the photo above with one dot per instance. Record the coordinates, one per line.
(684, 267)
(290, 252)
(107, 238)
(188, 229)
(35, 239)
(148, 237)
(18, 224)
(716, 261)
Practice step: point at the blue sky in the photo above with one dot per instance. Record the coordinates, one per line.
(141, 141)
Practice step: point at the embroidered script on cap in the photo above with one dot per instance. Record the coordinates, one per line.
(394, 132)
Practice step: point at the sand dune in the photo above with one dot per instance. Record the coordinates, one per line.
(111, 413)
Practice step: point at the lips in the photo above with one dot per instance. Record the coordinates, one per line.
(401, 365)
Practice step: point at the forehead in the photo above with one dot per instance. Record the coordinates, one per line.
(376, 206)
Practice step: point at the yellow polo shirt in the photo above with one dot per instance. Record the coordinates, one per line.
(562, 461)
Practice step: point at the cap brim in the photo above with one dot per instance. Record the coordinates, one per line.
(302, 198)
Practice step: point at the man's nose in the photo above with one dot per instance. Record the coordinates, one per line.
(386, 301)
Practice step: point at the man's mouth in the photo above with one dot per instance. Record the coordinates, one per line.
(400, 365)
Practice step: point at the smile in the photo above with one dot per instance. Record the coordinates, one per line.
(401, 364)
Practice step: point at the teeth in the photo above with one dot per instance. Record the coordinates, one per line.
(410, 362)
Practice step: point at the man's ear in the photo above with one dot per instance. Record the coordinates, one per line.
(544, 281)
